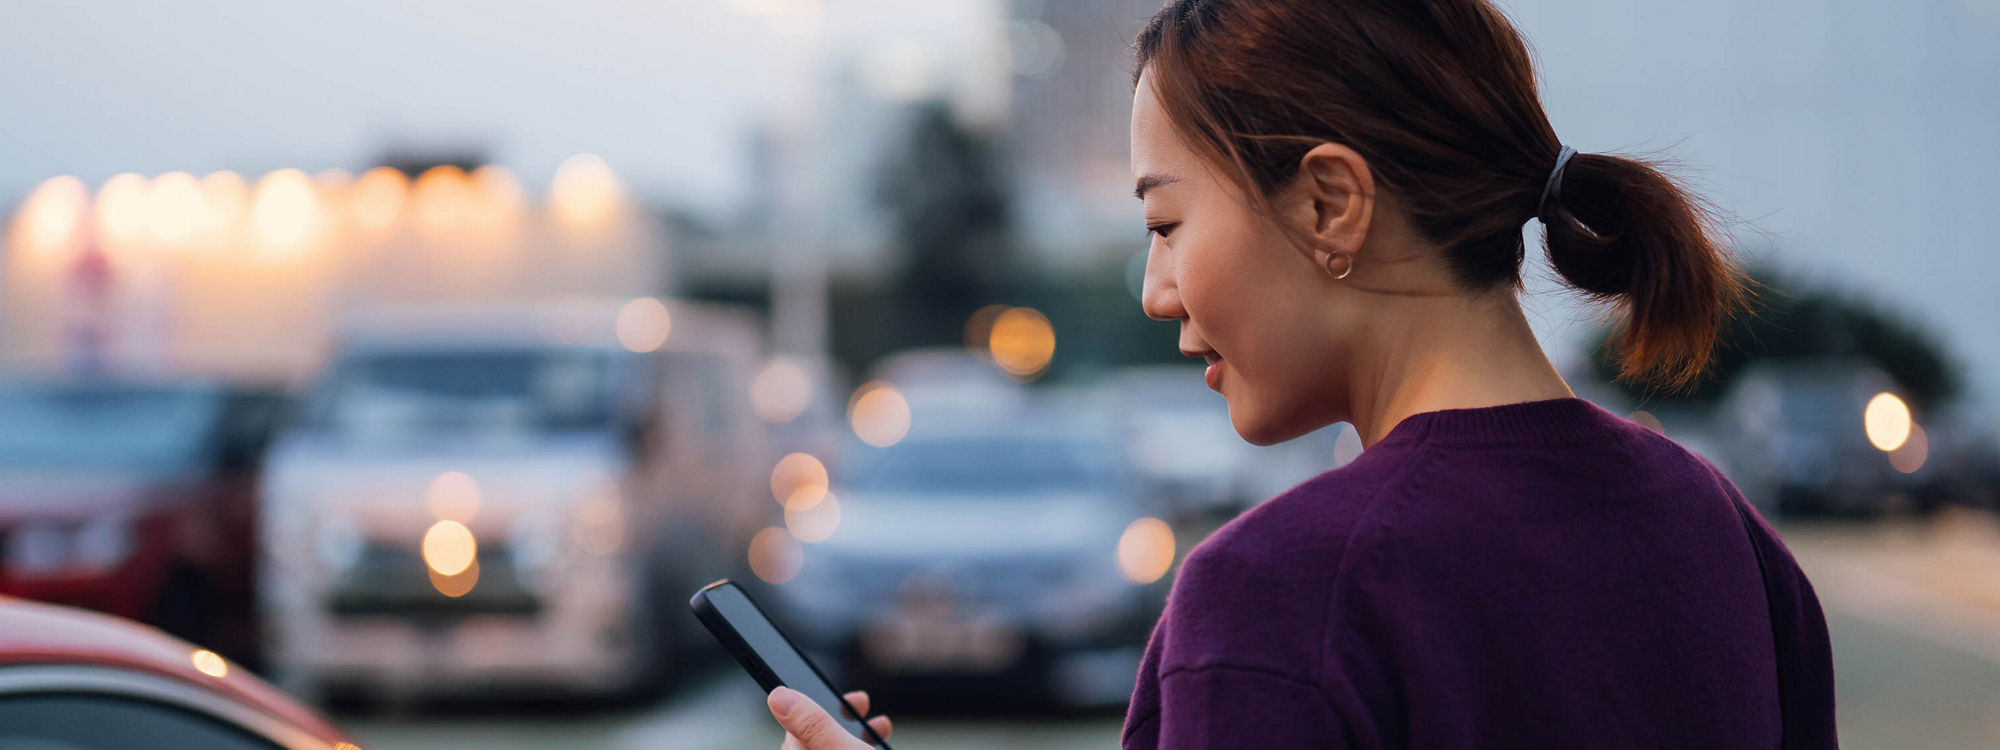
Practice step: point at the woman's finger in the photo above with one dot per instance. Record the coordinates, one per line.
(812, 726)
(859, 700)
(881, 726)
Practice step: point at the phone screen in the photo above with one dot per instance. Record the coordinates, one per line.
(784, 661)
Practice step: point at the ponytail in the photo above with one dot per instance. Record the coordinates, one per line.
(1623, 231)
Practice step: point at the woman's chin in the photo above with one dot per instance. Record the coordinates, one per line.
(1265, 426)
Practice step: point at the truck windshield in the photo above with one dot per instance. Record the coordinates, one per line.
(494, 392)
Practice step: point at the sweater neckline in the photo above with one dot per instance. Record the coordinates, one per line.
(1557, 420)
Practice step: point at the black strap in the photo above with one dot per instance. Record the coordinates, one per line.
(1770, 604)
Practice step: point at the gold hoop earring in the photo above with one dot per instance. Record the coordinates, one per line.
(1346, 266)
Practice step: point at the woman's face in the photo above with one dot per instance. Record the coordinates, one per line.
(1275, 327)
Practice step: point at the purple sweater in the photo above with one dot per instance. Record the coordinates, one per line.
(1538, 575)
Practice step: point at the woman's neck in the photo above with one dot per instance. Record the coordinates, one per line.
(1452, 353)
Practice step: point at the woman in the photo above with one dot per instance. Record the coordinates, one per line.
(1336, 191)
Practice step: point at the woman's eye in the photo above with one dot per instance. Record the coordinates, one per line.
(1162, 229)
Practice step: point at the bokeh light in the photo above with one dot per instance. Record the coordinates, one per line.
(457, 584)
(815, 523)
(643, 324)
(585, 193)
(122, 204)
(209, 663)
(1888, 421)
(176, 209)
(1145, 550)
(227, 197)
(441, 199)
(285, 208)
(449, 548)
(453, 496)
(979, 329)
(781, 391)
(775, 557)
(799, 481)
(1915, 450)
(1022, 342)
(49, 219)
(378, 197)
(879, 414)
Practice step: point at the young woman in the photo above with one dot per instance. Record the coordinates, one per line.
(1336, 191)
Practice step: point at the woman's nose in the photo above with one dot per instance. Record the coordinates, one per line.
(1158, 296)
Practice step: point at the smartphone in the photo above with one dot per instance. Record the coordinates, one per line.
(764, 651)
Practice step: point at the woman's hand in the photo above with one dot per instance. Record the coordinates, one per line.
(809, 727)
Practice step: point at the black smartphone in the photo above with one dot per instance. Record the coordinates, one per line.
(764, 651)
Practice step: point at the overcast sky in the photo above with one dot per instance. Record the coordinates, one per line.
(1856, 136)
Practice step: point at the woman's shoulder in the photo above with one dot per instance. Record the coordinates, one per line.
(1259, 588)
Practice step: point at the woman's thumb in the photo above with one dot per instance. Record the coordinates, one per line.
(806, 720)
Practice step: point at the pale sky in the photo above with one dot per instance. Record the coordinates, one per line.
(1856, 136)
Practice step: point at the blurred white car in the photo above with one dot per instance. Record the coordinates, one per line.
(509, 496)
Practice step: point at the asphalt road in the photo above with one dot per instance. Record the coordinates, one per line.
(1914, 609)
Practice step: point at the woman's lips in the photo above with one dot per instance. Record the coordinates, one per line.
(1213, 375)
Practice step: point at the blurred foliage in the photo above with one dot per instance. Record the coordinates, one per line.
(948, 207)
(1790, 321)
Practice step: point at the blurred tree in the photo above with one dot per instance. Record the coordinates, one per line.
(1796, 323)
(949, 206)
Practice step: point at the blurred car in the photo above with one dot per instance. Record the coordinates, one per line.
(137, 499)
(1186, 453)
(76, 680)
(510, 498)
(1797, 441)
(979, 563)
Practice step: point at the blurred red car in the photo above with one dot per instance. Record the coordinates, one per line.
(136, 499)
(78, 680)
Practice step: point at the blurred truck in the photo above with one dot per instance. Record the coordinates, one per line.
(137, 499)
(1797, 442)
(511, 497)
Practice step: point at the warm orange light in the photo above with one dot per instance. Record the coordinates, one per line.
(1910, 456)
(377, 200)
(781, 391)
(775, 556)
(285, 209)
(879, 414)
(814, 523)
(52, 214)
(122, 215)
(1887, 420)
(1145, 550)
(1022, 342)
(979, 329)
(585, 193)
(449, 548)
(209, 663)
(441, 199)
(227, 196)
(498, 195)
(176, 209)
(453, 496)
(457, 584)
(799, 481)
(643, 324)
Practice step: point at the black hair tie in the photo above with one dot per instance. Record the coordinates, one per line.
(1553, 188)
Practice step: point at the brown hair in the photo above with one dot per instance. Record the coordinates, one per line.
(1439, 96)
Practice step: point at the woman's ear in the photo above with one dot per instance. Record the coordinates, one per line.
(1335, 199)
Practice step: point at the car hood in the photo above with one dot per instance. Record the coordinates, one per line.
(387, 491)
(958, 525)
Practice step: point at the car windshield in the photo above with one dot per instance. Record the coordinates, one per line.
(98, 427)
(984, 465)
(492, 392)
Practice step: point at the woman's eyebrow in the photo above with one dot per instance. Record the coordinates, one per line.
(1151, 181)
